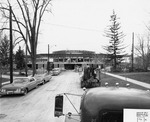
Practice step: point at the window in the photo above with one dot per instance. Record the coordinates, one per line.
(32, 79)
(20, 80)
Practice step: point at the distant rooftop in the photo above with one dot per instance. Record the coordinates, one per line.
(73, 52)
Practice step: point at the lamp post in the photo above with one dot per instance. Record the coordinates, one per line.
(48, 62)
(132, 53)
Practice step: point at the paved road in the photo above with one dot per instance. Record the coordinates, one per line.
(38, 104)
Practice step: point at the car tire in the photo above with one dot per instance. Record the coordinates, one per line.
(36, 86)
(25, 91)
(44, 81)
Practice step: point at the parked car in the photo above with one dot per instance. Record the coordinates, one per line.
(56, 71)
(20, 85)
(43, 78)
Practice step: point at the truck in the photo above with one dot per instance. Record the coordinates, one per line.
(90, 77)
(108, 104)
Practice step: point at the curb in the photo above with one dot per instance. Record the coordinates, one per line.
(8, 82)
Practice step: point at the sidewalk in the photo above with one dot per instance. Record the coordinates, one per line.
(146, 85)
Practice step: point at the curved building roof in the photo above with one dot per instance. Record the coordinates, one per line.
(73, 52)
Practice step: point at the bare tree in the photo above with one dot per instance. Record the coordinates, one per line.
(143, 51)
(27, 23)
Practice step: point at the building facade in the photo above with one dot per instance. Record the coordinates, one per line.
(69, 59)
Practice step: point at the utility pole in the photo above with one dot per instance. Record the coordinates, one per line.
(11, 45)
(0, 75)
(48, 60)
(48, 52)
(132, 52)
(26, 68)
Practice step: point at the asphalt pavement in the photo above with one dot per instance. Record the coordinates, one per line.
(38, 104)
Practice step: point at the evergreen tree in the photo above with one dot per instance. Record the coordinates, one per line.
(20, 59)
(115, 49)
(4, 51)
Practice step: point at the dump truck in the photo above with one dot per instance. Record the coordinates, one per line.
(108, 104)
(90, 77)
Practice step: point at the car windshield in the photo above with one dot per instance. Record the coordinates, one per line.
(20, 80)
(38, 76)
(112, 116)
(55, 69)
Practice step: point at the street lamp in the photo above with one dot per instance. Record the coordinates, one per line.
(49, 50)
(48, 62)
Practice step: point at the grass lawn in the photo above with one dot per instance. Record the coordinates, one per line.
(4, 80)
(122, 83)
(8, 79)
(140, 76)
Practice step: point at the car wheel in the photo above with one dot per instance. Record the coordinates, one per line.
(25, 91)
(36, 86)
(43, 82)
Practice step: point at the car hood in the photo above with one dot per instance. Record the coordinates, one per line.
(39, 76)
(14, 85)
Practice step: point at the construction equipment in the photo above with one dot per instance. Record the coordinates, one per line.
(90, 77)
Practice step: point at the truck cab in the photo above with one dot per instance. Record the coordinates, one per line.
(106, 104)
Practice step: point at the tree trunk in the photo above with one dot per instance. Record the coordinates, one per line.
(33, 59)
(33, 65)
(33, 51)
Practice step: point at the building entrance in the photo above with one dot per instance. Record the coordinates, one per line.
(69, 66)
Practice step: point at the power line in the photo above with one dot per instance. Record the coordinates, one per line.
(73, 27)
(85, 29)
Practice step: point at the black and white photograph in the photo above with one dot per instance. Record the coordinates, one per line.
(74, 60)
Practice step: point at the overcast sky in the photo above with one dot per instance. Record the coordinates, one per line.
(80, 24)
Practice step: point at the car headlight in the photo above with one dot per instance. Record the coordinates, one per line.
(3, 90)
(18, 90)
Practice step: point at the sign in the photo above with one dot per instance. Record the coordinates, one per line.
(136, 115)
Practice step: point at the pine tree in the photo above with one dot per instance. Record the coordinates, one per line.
(115, 49)
(4, 51)
(20, 59)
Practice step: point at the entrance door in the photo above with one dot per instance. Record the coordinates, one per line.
(69, 66)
